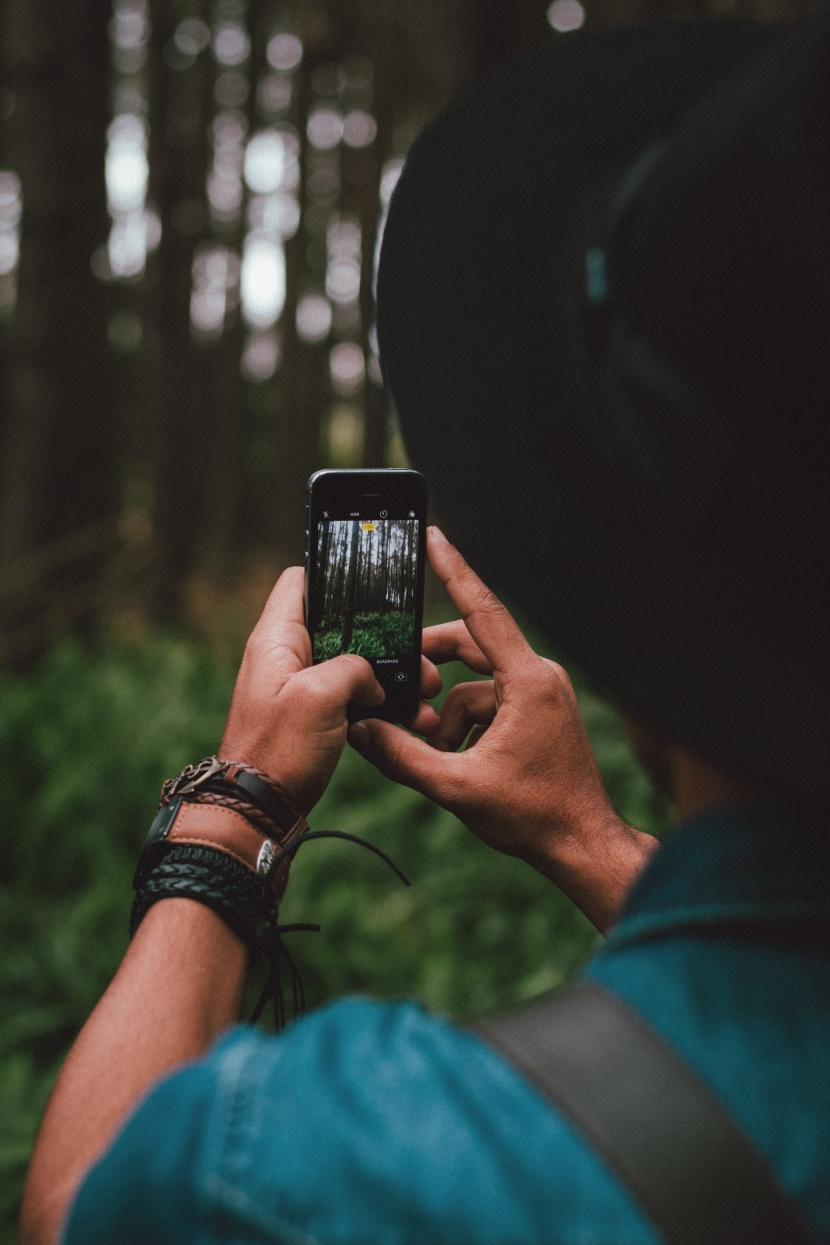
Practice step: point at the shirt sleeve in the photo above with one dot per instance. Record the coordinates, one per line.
(363, 1122)
(141, 1191)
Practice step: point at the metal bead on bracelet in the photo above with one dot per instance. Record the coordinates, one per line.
(231, 869)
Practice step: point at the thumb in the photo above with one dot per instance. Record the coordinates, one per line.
(341, 681)
(405, 758)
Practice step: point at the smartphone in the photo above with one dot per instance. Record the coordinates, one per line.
(365, 577)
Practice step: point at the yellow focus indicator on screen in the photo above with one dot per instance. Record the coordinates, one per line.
(368, 527)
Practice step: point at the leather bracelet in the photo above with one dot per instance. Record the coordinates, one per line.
(243, 784)
(231, 832)
(180, 822)
(217, 839)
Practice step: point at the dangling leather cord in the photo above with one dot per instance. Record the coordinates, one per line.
(273, 984)
(235, 861)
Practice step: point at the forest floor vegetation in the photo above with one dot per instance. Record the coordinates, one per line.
(374, 635)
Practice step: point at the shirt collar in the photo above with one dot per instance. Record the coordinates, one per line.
(750, 864)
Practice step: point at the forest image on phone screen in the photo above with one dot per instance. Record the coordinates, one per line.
(366, 588)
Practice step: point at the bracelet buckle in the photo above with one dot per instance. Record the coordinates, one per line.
(193, 776)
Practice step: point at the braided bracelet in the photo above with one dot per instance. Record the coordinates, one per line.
(244, 901)
(224, 835)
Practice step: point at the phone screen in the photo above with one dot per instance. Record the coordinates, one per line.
(365, 576)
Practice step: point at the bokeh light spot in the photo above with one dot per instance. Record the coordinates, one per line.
(284, 52)
(565, 15)
(192, 36)
(11, 210)
(262, 282)
(260, 357)
(126, 168)
(343, 281)
(324, 127)
(265, 162)
(128, 28)
(215, 275)
(346, 367)
(313, 318)
(231, 45)
(359, 129)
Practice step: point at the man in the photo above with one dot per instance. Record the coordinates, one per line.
(639, 454)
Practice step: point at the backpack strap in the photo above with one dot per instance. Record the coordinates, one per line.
(692, 1169)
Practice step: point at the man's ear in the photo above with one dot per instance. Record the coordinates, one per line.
(689, 781)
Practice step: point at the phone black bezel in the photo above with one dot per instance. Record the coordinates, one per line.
(398, 490)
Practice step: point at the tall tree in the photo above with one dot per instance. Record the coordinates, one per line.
(349, 589)
(58, 471)
(178, 461)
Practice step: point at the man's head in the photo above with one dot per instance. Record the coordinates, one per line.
(603, 301)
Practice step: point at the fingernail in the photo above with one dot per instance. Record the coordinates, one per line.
(359, 737)
(436, 534)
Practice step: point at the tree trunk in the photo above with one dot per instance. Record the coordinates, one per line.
(58, 469)
(179, 466)
(351, 582)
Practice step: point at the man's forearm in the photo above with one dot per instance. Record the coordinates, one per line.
(179, 985)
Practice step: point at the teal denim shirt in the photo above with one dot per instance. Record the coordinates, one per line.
(378, 1122)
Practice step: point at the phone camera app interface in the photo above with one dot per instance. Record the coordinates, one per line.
(366, 591)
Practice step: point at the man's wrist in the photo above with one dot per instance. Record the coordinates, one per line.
(597, 865)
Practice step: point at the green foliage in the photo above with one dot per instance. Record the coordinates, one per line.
(85, 743)
(374, 635)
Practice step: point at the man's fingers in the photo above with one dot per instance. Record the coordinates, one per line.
(564, 682)
(405, 758)
(468, 705)
(452, 642)
(431, 681)
(488, 622)
(426, 720)
(344, 680)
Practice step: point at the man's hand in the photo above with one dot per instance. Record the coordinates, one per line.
(287, 717)
(527, 783)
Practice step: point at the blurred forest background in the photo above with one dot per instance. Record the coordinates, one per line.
(191, 199)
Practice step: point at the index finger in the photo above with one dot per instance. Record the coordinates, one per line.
(452, 642)
(488, 622)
